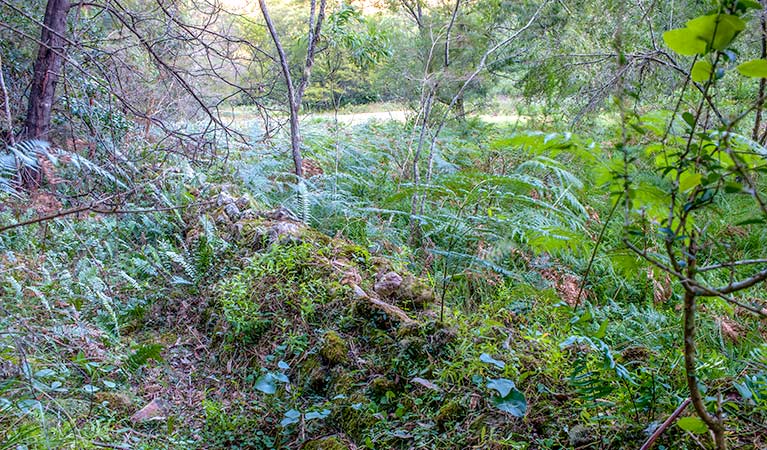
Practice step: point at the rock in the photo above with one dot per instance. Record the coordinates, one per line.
(388, 284)
(581, 435)
(334, 350)
(284, 232)
(425, 383)
(451, 411)
(116, 401)
(232, 211)
(415, 293)
(358, 292)
(326, 443)
(279, 214)
(243, 203)
(154, 410)
(381, 385)
(224, 199)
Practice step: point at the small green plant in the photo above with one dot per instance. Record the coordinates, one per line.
(703, 167)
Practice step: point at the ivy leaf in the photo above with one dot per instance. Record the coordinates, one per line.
(502, 385)
(756, 68)
(701, 71)
(693, 425)
(684, 41)
(266, 383)
(291, 416)
(510, 399)
(487, 359)
(311, 415)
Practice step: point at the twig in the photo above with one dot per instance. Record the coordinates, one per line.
(594, 253)
(93, 207)
(667, 423)
(7, 105)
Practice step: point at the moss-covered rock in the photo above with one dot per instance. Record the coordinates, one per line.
(327, 443)
(334, 349)
(116, 401)
(381, 385)
(354, 418)
(342, 382)
(415, 293)
(450, 412)
(313, 375)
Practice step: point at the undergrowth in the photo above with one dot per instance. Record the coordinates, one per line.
(262, 340)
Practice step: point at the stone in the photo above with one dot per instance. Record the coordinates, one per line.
(388, 284)
(232, 211)
(154, 410)
(284, 232)
(334, 349)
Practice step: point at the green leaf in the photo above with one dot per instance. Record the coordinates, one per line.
(502, 385)
(688, 180)
(692, 424)
(684, 41)
(744, 5)
(511, 400)
(602, 330)
(726, 27)
(485, 358)
(266, 383)
(311, 415)
(291, 416)
(689, 118)
(701, 71)
(756, 68)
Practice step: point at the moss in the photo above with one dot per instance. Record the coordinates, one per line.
(334, 349)
(253, 233)
(328, 443)
(354, 418)
(313, 375)
(116, 401)
(409, 329)
(381, 385)
(451, 411)
(415, 293)
(354, 252)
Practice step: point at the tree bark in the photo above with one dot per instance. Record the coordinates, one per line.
(47, 69)
(295, 94)
(690, 366)
(757, 134)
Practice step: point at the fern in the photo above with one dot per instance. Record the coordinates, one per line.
(31, 154)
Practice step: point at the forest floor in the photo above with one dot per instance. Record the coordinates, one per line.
(265, 315)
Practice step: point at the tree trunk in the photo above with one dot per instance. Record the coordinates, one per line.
(46, 70)
(690, 365)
